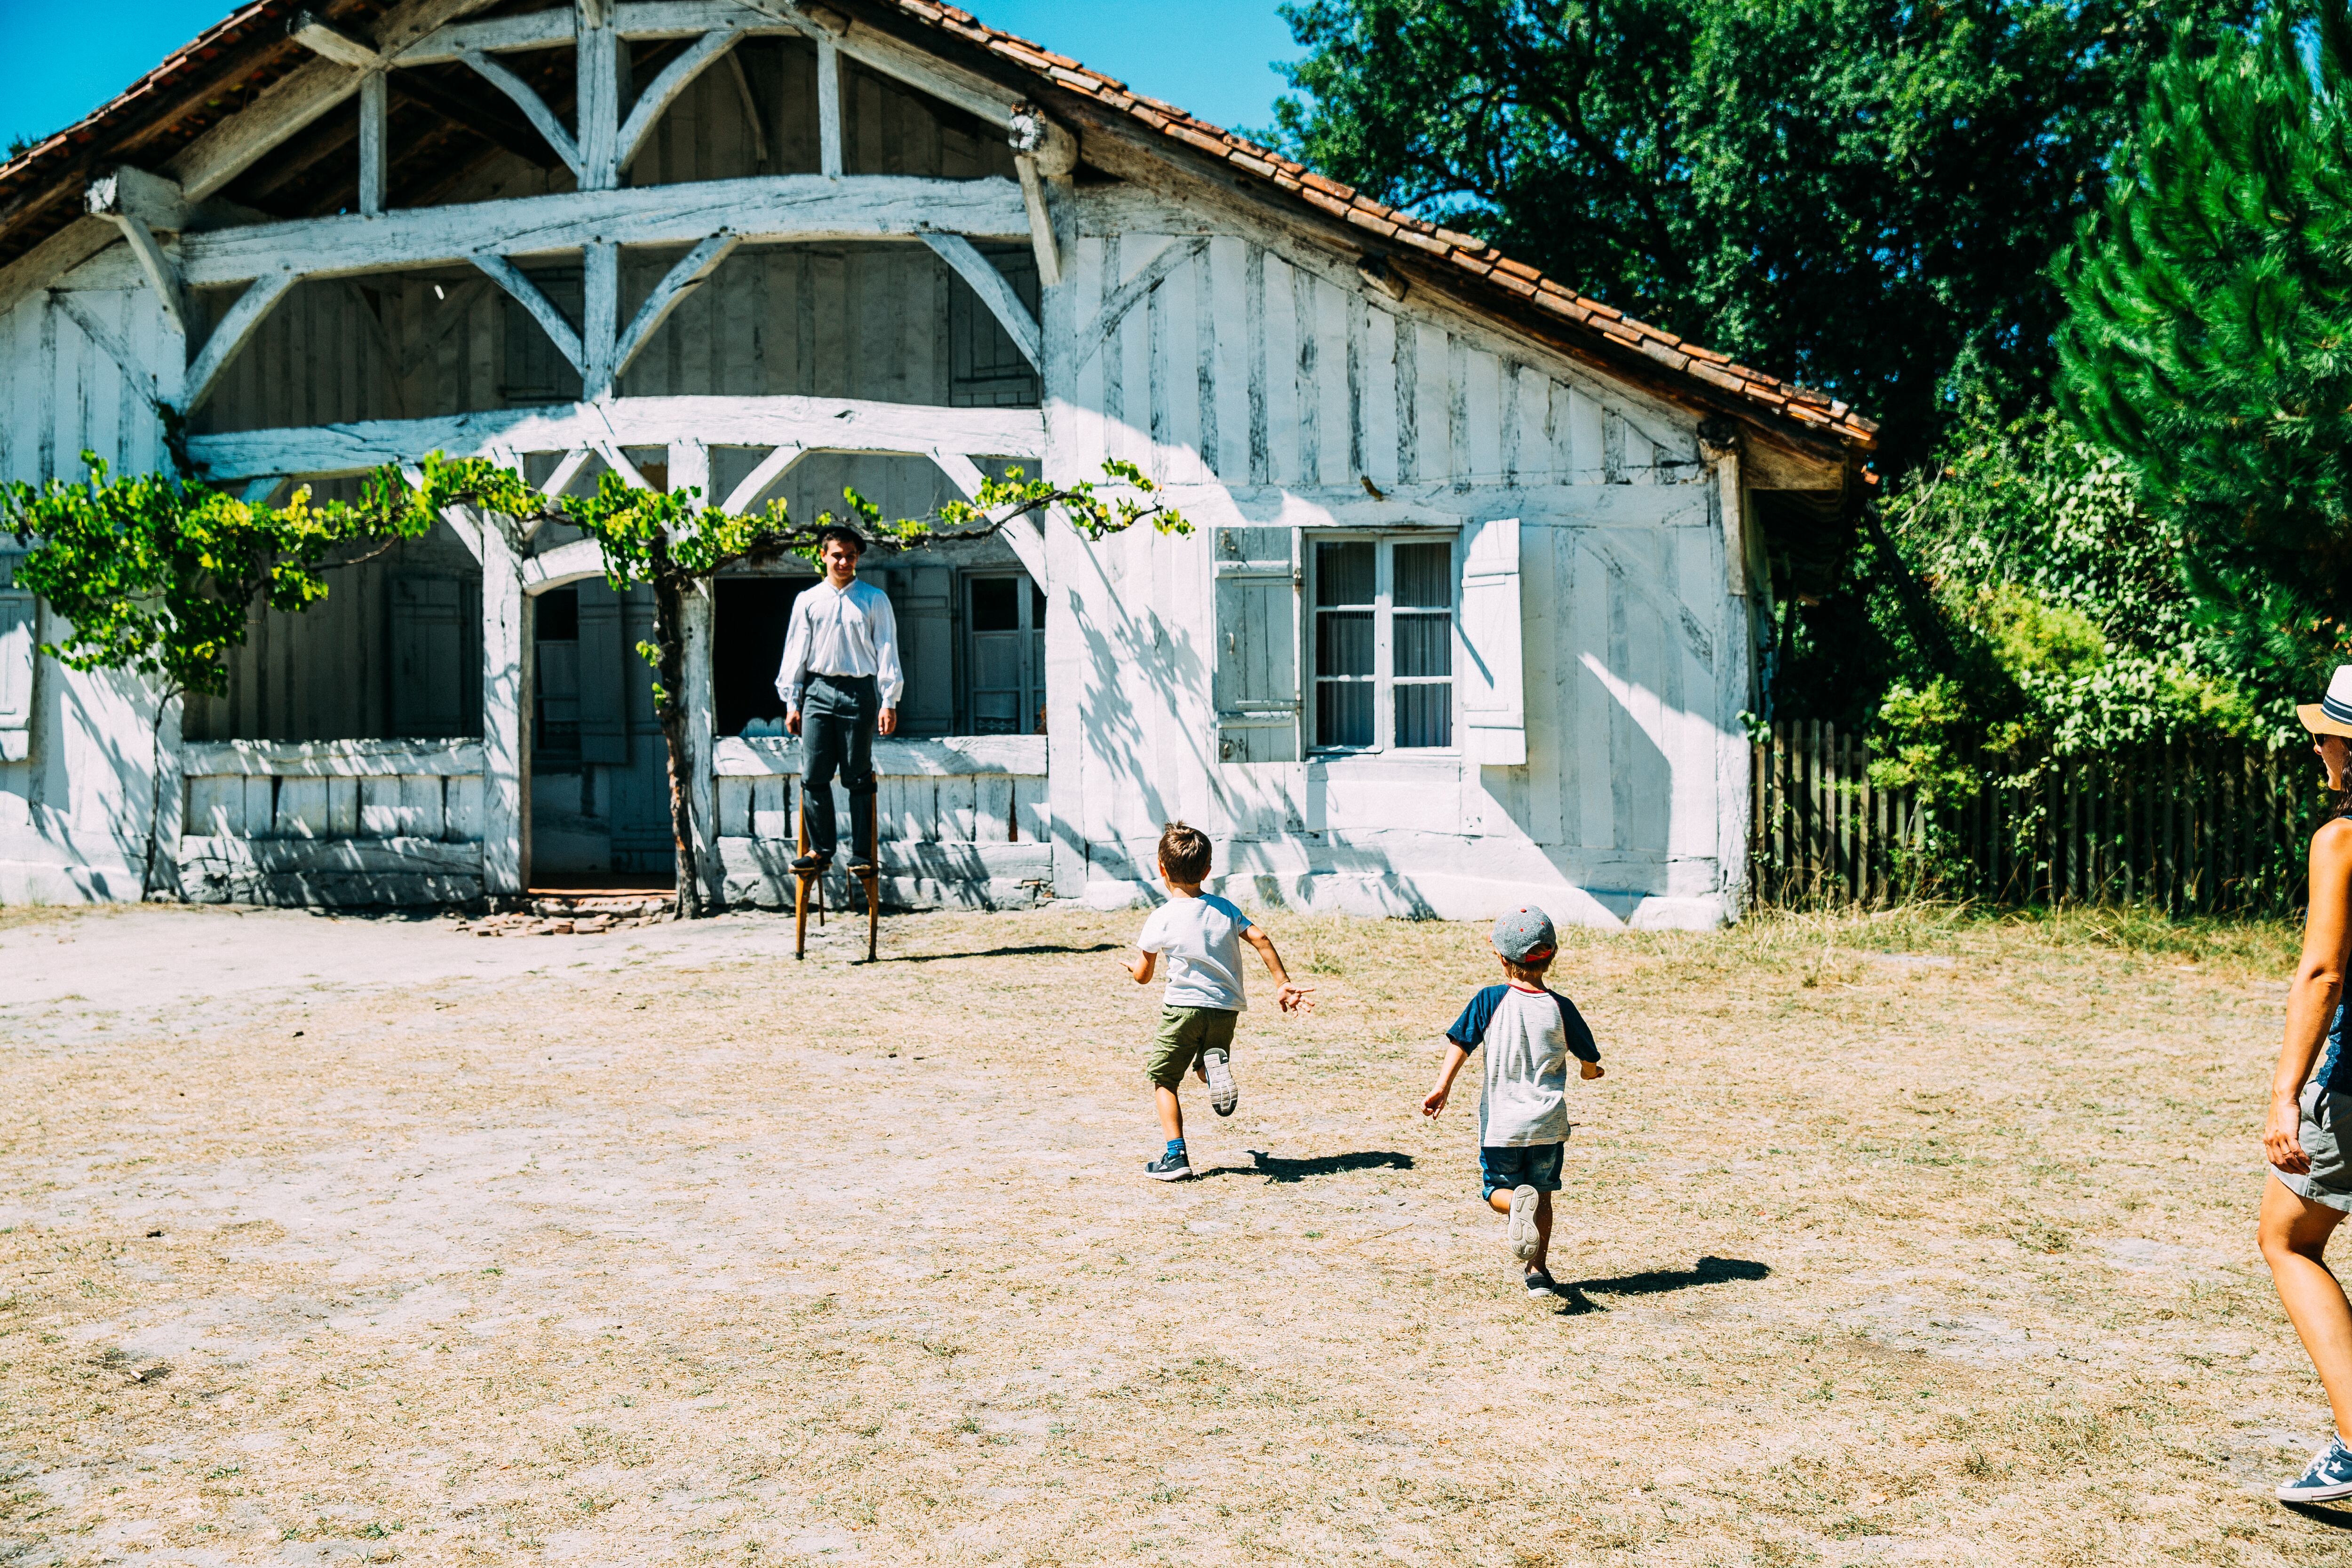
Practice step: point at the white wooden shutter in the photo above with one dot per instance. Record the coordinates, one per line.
(1492, 683)
(1255, 684)
(16, 629)
(604, 659)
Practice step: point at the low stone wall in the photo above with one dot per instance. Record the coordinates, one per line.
(333, 823)
(963, 821)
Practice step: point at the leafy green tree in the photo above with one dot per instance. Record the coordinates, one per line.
(157, 576)
(2210, 339)
(1863, 193)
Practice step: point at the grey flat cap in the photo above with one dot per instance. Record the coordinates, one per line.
(1524, 935)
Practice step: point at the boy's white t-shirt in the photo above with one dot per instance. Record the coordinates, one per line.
(1202, 941)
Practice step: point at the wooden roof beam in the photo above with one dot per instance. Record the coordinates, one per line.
(762, 207)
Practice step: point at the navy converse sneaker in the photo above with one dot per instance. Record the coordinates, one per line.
(1223, 1092)
(2329, 1477)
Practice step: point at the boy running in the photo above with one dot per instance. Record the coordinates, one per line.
(1530, 1033)
(1202, 935)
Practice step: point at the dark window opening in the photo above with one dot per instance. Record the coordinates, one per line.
(749, 618)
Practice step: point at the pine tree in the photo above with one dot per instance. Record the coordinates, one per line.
(2210, 334)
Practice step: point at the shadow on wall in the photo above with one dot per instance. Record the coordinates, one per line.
(1168, 667)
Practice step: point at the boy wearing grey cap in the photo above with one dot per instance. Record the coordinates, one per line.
(1530, 1033)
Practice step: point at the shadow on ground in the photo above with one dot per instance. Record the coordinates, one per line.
(1578, 1293)
(1275, 1168)
(2333, 1518)
(1031, 950)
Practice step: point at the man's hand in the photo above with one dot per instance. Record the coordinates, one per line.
(1588, 1069)
(1434, 1101)
(1294, 998)
(792, 722)
(888, 724)
(2282, 1144)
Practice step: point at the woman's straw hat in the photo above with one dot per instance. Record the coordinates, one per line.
(2332, 715)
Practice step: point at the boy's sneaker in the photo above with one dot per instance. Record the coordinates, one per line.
(1223, 1092)
(1169, 1168)
(1523, 1222)
(2329, 1477)
(1540, 1285)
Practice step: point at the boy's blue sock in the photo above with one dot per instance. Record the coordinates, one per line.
(1175, 1148)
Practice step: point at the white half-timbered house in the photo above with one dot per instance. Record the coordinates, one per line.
(1470, 613)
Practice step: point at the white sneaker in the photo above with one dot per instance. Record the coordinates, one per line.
(1523, 1222)
(1223, 1092)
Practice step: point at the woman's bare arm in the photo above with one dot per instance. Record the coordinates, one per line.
(2318, 985)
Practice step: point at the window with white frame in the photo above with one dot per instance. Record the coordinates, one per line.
(1382, 642)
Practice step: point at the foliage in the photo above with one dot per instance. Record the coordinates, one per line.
(157, 574)
(2073, 627)
(2207, 342)
(1862, 192)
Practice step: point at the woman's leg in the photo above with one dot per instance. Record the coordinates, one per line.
(2294, 1233)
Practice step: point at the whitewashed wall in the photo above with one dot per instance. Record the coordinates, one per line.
(1266, 387)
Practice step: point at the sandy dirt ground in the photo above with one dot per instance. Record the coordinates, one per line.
(1893, 1241)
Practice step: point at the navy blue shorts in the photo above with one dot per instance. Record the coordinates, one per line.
(1533, 1165)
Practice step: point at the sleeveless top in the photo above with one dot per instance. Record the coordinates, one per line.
(2334, 1070)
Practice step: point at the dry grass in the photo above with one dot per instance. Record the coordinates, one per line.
(1924, 1238)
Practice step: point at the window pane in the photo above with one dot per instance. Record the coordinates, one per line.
(995, 604)
(1343, 573)
(1036, 608)
(1425, 715)
(1343, 712)
(1424, 646)
(1424, 578)
(1343, 642)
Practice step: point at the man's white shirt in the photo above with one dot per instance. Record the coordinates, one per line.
(841, 631)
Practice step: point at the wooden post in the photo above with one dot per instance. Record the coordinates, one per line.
(505, 708)
(374, 104)
(598, 102)
(828, 108)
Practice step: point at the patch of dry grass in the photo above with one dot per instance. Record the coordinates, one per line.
(1925, 1237)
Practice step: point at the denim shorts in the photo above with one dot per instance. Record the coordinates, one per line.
(2323, 1137)
(1533, 1165)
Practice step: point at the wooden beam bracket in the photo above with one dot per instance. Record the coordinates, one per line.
(323, 38)
(675, 78)
(534, 108)
(994, 292)
(692, 271)
(242, 320)
(528, 294)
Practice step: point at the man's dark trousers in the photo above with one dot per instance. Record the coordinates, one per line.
(838, 713)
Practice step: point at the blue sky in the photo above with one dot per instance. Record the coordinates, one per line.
(1208, 55)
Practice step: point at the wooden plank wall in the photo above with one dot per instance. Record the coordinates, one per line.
(61, 393)
(1238, 367)
(324, 673)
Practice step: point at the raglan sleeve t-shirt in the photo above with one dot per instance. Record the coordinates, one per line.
(1528, 1036)
(1201, 940)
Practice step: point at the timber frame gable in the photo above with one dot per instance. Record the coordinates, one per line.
(272, 69)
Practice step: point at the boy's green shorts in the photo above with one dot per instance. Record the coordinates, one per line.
(1184, 1034)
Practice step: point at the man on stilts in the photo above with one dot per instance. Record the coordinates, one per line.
(841, 682)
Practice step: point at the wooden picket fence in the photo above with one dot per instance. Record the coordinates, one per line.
(2190, 827)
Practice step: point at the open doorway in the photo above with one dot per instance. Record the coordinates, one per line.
(599, 786)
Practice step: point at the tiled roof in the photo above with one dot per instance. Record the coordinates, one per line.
(200, 84)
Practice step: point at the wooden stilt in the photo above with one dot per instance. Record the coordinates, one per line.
(801, 880)
(873, 880)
